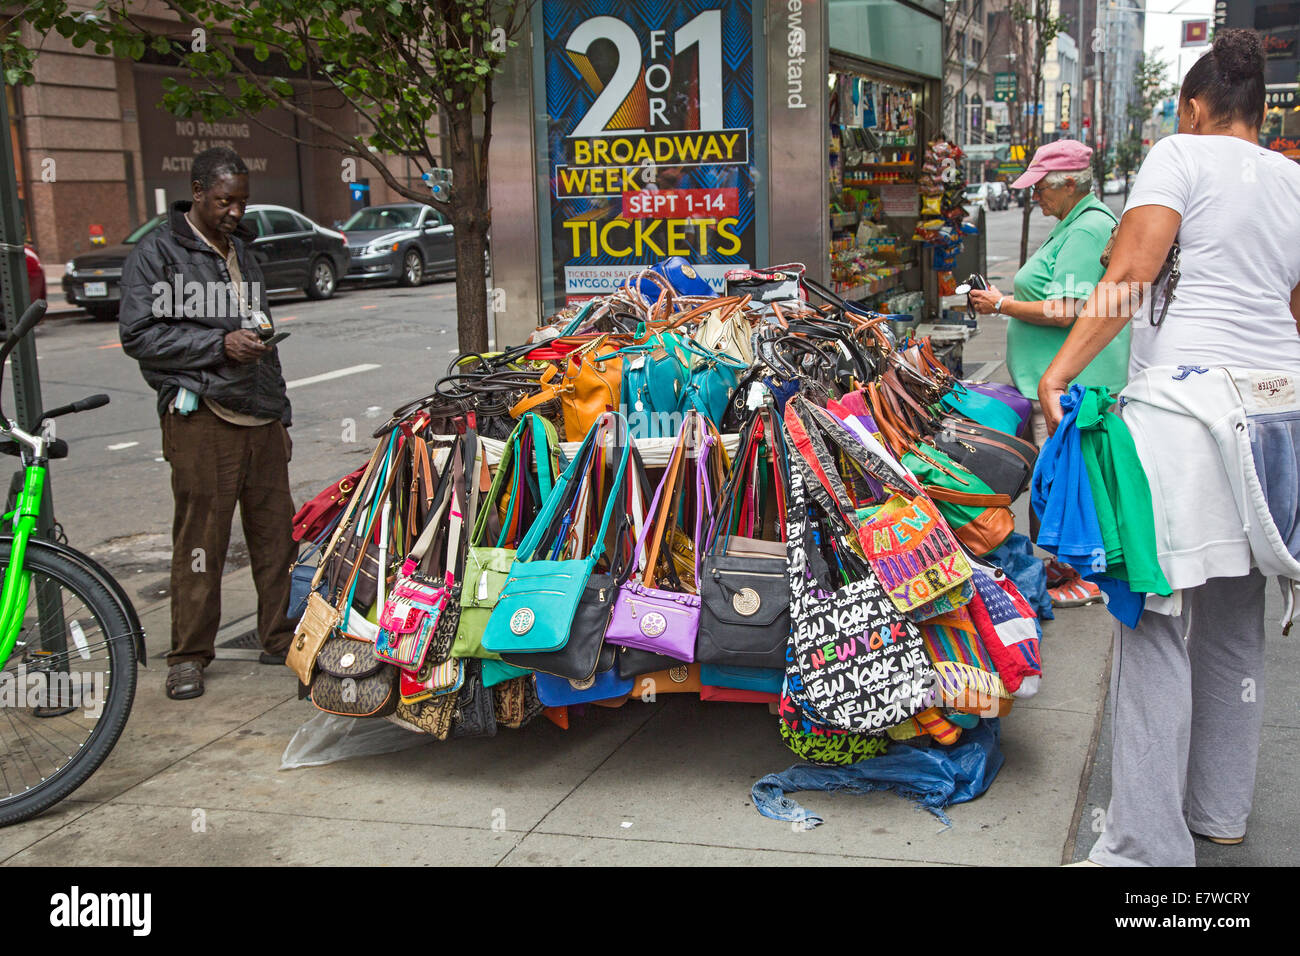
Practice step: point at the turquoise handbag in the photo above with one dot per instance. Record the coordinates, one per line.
(713, 378)
(982, 409)
(536, 607)
(655, 377)
(761, 679)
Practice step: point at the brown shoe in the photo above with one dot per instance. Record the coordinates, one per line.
(185, 680)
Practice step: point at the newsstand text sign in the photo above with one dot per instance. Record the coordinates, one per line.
(649, 140)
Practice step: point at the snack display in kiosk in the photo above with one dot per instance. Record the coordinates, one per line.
(757, 498)
(874, 168)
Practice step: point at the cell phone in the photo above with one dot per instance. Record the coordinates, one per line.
(278, 337)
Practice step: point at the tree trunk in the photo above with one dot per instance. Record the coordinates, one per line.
(469, 217)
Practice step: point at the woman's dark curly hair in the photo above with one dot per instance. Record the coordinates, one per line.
(1229, 80)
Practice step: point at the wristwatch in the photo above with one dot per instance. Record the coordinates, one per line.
(998, 308)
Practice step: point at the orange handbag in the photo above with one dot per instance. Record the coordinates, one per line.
(590, 384)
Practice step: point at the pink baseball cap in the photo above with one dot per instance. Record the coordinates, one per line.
(1065, 155)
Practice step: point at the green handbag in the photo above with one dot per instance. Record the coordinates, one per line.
(537, 604)
(486, 568)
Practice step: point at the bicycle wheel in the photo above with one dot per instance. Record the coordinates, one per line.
(67, 688)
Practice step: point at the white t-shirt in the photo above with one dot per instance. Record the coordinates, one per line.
(1240, 241)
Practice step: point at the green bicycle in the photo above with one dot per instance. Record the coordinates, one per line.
(70, 639)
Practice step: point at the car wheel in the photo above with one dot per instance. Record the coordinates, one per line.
(101, 314)
(412, 268)
(323, 279)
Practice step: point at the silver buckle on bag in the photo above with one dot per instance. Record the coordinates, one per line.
(521, 621)
(746, 602)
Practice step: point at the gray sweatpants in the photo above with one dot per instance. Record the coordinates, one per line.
(1186, 717)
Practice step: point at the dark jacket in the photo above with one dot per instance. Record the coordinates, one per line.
(175, 314)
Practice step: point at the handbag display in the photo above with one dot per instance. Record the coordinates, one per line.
(475, 714)
(317, 516)
(856, 663)
(351, 681)
(431, 680)
(648, 617)
(577, 660)
(541, 594)
(589, 385)
(525, 491)
(409, 621)
(744, 593)
(320, 617)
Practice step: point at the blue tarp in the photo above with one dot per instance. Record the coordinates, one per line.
(934, 778)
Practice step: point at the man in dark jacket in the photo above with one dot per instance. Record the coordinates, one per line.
(193, 314)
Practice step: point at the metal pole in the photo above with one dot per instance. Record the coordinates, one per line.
(23, 371)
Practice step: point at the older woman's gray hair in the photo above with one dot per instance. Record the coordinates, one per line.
(1082, 179)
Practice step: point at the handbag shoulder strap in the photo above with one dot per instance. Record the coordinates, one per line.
(346, 516)
(651, 540)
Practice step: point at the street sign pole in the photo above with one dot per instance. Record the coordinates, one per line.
(14, 298)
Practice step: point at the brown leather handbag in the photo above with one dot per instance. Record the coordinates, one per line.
(590, 384)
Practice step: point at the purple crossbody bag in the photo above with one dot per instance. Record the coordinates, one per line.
(649, 618)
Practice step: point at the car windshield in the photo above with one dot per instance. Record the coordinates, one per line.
(141, 231)
(392, 217)
(974, 190)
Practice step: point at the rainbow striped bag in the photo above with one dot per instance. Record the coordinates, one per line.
(965, 676)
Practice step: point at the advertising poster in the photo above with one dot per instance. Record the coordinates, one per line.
(650, 117)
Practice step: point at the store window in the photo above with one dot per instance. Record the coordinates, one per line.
(874, 167)
(1281, 129)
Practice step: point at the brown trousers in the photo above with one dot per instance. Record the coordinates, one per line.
(216, 465)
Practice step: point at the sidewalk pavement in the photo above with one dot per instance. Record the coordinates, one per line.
(197, 782)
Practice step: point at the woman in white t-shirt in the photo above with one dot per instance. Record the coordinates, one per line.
(1186, 734)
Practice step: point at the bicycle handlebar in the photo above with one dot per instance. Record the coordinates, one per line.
(85, 405)
(35, 312)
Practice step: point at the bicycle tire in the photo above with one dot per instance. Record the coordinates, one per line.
(64, 567)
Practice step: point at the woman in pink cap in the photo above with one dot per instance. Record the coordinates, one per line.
(1048, 290)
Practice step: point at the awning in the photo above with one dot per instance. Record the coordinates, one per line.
(984, 152)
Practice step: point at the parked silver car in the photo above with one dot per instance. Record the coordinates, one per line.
(404, 242)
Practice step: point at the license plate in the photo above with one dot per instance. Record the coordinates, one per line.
(96, 288)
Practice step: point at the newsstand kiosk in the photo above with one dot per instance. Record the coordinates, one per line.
(735, 133)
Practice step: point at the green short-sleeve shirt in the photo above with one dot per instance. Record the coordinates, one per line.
(1067, 265)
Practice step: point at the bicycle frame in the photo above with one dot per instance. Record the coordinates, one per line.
(17, 582)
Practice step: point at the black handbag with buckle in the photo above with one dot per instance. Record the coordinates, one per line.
(744, 592)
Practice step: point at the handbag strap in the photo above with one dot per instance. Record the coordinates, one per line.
(386, 475)
(653, 534)
(607, 422)
(346, 516)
